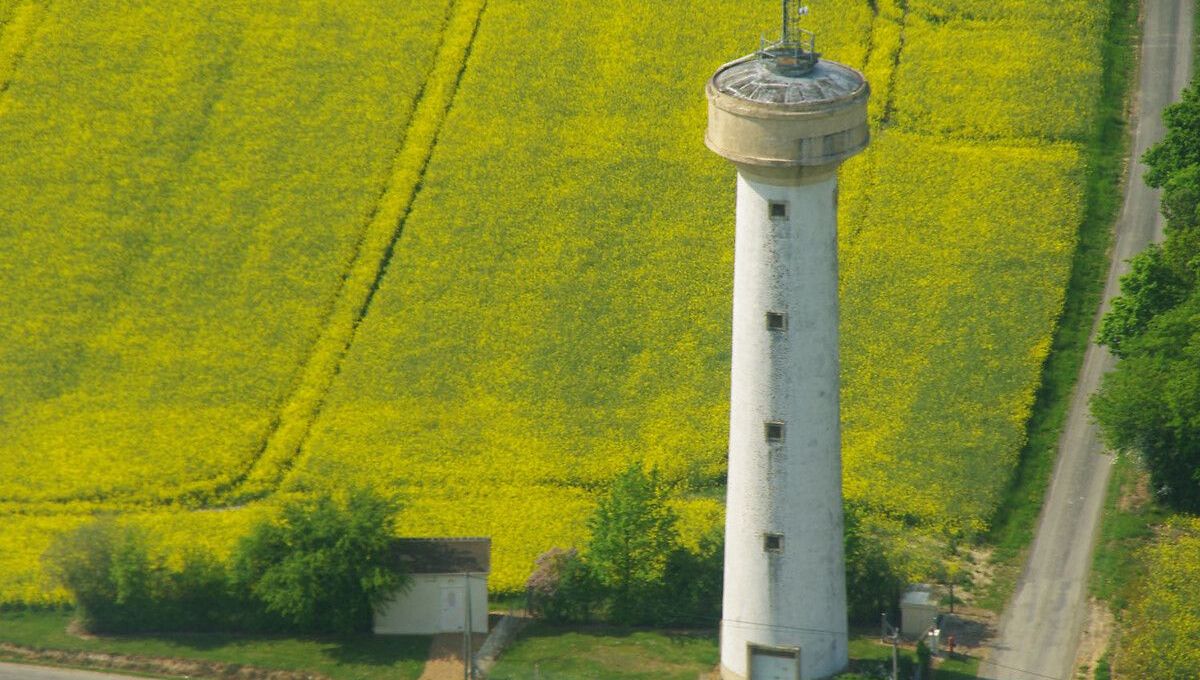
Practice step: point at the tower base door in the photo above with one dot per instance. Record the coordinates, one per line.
(774, 663)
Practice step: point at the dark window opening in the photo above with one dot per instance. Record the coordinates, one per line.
(773, 542)
(776, 321)
(778, 210)
(774, 431)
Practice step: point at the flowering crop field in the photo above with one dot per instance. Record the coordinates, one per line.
(182, 188)
(203, 205)
(560, 301)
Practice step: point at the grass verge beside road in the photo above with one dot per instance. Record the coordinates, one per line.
(1130, 515)
(358, 657)
(1016, 519)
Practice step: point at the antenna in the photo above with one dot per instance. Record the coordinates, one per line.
(793, 12)
(795, 53)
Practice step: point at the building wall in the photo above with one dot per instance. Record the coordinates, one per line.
(435, 603)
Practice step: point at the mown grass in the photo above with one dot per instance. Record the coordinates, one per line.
(1016, 518)
(600, 653)
(359, 657)
(870, 658)
(607, 654)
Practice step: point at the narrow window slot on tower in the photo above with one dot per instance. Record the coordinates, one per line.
(778, 210)
(773, 543)
(776, 321)
(774, 431)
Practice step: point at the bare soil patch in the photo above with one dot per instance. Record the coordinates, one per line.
(1093, 642)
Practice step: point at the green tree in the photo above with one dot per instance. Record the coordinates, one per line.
(633, 535)
(1150, 404)
(692, 584)
(1181, 209)
(1150, 288)
(325, 564)
(1180, 147)
(872, 585)
(107, 569)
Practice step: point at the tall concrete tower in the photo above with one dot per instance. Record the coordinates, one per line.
(787, 119)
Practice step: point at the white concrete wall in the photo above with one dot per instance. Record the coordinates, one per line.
(795, 598)
(421, 610)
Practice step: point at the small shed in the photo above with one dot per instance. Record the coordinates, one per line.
(449, 586)
(918, 611)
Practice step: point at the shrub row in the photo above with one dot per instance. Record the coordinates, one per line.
(321, 566)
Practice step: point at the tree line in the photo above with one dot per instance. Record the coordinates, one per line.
(1150, 405)
(635, 571)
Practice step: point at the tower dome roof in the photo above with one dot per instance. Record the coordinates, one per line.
(753, 80)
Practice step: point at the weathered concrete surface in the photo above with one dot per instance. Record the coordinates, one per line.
(1039, 631)
(12, 671)
(793, 596)
(785, 590)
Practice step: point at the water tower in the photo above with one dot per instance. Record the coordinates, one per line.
(787, 119)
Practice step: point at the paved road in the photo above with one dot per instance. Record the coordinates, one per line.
(12, 671)
(1039, 631)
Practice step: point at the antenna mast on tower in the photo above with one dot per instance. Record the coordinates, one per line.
(795, 53)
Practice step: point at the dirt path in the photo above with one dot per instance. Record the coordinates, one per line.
(446, 656)
(1039, 631)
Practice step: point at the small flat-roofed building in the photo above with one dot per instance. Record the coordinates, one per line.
(918, 611)
(449, 586)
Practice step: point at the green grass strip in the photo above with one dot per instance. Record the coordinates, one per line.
(349, 657)
(297, 415)
(1015, 520)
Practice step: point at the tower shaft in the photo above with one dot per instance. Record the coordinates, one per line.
(787, 120)
(784, 574)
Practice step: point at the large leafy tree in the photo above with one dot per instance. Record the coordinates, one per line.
(325, 564)
(1150, 288)
(1151, 403)
(633, 535)
(1180, 147)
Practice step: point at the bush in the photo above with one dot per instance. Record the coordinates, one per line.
(105, 567)
(872, 585)
(692, 584)
(120, 587)
(562, 588)
(636, 573)
(325, 565)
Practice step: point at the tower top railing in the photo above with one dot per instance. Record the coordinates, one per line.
(795, 53)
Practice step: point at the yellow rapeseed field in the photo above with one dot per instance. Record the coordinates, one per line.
(216, 196)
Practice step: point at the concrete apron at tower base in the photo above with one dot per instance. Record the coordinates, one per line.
(784, 569)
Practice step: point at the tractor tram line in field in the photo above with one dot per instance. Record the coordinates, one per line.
(16, 32)
(374, 253)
